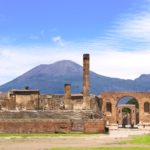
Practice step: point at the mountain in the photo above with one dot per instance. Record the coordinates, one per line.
(143, 78)
(51, 79)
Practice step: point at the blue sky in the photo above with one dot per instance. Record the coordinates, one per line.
(28, 22)
(115, 32)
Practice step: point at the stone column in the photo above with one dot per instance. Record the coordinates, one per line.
(67, 96)
(86, 84)
(86, 75)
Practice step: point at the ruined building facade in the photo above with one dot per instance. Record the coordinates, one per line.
(30, 111)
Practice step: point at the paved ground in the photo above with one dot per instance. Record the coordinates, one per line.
(44, 143)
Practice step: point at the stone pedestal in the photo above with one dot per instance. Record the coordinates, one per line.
(67, 96)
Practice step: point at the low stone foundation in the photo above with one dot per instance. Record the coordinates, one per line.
(94, 126)
(50, 122)
(50, 126)
(35, 126)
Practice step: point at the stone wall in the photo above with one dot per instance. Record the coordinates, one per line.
(94, 126)
(32, 100)
(50, 114)
(51, 102)
(50, 126)
(55, 121)
(35, 126)
(4, 100)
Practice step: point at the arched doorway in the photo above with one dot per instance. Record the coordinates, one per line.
(127, 112)
(126, 117)
(143, 99)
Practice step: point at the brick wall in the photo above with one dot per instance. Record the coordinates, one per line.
(94, 126)
(50, 126)
(35, 126)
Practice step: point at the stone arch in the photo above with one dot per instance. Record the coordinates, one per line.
(114, 97)
(127, 96)
(126, 118)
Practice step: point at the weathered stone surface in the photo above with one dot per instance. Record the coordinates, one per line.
(67, 96)
(114, 97)
(51, 102)
(86, 82)
(130, 116)
(24, 100)
(35, 126)
(94, 126)
(51, 126)
(51, 114)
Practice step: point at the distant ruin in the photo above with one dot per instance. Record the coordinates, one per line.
(30, 111)
(114, 116)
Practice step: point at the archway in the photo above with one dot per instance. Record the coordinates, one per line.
(114, 97)
(127, 112)
(126, 117)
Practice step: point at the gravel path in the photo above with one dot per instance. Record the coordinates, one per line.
(45, 143)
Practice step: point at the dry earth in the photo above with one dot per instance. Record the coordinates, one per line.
(45, 143)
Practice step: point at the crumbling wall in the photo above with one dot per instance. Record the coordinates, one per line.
(51, 102)
(35, 126)
(50, 126)
(94, 126)
(56, 121)
(27, 102)
(4, 101)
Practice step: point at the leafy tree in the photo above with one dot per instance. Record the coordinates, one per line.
(26, 87)
(133, 101)
(127, 110)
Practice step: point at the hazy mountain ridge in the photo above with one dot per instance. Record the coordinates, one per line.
(51, 79)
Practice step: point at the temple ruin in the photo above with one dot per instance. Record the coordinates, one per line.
(30, 111)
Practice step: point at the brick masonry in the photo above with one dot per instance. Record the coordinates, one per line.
(114, 97)
(94, 126)
(50, 126)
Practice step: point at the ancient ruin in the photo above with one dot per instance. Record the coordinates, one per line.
(113, 116)
(127, 115)
(30, 111)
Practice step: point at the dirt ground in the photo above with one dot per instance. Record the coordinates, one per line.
(45, 143)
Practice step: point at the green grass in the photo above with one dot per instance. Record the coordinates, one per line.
(42, 134)
(141, 139)
(103, 148)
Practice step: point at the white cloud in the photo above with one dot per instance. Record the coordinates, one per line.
(131, 31)
(110, 55)
(16, 61)
(58, 40)
(137, 28)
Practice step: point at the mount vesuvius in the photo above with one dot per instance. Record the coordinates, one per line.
(51, 79)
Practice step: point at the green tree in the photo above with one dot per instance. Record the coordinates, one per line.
(127, 110)
(133, 101)
(26, 87)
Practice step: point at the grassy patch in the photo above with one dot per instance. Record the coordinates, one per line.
(103, 148)
(42, 134)
(141, 139)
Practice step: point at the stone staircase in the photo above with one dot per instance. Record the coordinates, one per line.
(52, 114)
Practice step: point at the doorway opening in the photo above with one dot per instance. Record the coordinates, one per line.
(127, 112)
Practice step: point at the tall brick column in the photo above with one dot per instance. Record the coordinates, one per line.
(86, 84)
(67, 96)
(86, 75)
